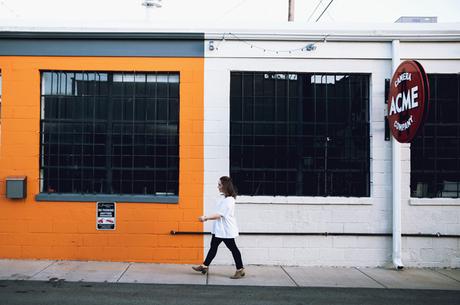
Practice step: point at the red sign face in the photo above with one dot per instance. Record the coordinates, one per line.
(408, 101)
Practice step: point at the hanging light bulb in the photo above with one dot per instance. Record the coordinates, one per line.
(310, 47)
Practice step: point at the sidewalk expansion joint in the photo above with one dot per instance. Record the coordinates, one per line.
(123, 272)
(37, 273)
(452, 278)
(297, 285)
(381, 284)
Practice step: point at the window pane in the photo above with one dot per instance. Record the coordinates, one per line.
(435, 152)
(110, 133)
(300, 135)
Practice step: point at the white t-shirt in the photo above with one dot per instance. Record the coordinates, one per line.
(226, 226)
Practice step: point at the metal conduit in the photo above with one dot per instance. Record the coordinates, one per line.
(323, 234)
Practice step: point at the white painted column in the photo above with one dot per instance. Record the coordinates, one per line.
(396, 167)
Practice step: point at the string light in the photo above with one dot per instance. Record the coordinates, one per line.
(309, 47)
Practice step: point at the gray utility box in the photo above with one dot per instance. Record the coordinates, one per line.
(16, 187)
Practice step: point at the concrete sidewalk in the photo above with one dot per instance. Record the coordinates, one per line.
(113, 272)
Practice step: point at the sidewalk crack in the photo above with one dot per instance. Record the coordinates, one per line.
(297, 285)
(37, 273)
(381, 284)
(446, 275)
(124, 272)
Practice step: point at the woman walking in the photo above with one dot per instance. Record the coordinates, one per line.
(224, 229)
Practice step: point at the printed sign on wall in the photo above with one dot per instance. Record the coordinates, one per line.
(105, 216)
(408, 101)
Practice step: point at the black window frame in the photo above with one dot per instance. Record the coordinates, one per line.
(316, 127)
(435, 152)
(122, 127)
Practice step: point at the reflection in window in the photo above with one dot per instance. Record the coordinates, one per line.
(109, 133)
(300, 134)
(435, 153)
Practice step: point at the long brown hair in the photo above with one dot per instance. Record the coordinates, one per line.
(227, 186)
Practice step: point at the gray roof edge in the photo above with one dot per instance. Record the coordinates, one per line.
(376, 37)
(368, 32)
(371, 37)
(102, 35)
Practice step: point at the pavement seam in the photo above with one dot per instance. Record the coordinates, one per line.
(37, 273)
(123, 272)
(297, 285)
(446, 276)
(381, 284)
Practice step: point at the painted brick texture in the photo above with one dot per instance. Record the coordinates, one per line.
(67, 230)
(277, 214)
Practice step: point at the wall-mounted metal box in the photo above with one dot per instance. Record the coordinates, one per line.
(16, 187)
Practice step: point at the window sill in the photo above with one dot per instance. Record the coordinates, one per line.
(114, 198)
(435, 201)
(304, 200)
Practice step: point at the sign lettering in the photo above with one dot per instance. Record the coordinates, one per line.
(408, 101)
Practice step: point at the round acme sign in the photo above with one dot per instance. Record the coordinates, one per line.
(408, 101)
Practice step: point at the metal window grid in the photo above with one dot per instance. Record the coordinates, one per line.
(435, 152)
(302, 134)
(109, 132)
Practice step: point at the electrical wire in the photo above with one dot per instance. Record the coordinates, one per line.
(314, 11)
(324, 10)
(8, 8)
(231, 9)
(330, 16)
(305, 47)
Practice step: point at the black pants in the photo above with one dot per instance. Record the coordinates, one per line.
(230, 243)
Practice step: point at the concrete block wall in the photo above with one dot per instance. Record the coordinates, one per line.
(431, 252)
(432, 215)
(67, 230)
(326, 214)
(310, 251)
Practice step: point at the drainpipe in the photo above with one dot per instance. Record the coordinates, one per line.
(396, 167)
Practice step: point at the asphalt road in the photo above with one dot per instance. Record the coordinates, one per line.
(82, 293)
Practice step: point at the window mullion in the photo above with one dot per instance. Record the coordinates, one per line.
(327, 190)
(435, 137)
(93, 136)
(82, 137)
(133, 135)
(300, 140)
(253, 150)
(58, 155)
(167, 136)
(108, 136)
(155, 135)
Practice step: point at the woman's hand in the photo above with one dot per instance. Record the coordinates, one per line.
(211, 217)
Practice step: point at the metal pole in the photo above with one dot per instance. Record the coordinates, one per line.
(396, 166)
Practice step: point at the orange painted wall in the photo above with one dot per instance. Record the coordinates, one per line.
(67, 230)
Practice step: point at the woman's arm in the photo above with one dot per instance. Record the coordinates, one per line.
(212, 217)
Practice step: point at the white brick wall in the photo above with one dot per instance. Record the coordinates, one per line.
(351, 215)
(418, 252)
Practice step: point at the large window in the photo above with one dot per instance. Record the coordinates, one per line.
(435, 153)
(300, 134)
(109, 133)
